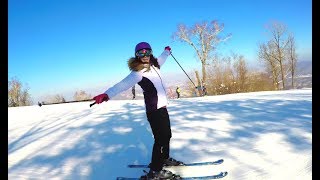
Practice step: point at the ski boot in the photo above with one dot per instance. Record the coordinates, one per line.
(158, 175)
(172, 162)
(176, 177)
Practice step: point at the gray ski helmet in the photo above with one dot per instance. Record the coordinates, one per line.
(142, 45)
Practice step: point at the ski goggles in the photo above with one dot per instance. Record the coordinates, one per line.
(144, 52)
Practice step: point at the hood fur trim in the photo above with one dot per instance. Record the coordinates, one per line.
(136, 65)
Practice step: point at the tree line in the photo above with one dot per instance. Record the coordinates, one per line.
(18, 95)
(230, 73)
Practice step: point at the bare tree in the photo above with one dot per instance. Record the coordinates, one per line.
(221, 76)
(54, 99)
(259, 81)
(203, 38)
(292, 57)
(199, 84)
(215, 72)
(278, 45)
(228, 77)
(58, 99)
(81, 95)
(17, 96)
(278, 32)
(229, 74)
(266, 54)
(241, 72)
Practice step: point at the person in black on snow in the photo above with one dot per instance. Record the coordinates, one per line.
(145, 71)
(204, 90)
(133, 90)
(178, 92)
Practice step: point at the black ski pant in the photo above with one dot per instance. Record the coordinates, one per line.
(160, 125)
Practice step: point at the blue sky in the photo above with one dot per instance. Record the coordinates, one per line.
(57, 46)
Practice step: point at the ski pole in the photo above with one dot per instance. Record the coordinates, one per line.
(66, 102)
(92, 104)
(183, 70)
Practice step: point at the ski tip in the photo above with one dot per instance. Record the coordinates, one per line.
(223, 174)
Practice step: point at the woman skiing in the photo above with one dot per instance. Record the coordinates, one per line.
(145, 71)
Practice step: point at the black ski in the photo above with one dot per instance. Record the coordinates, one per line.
(188, 164)
(217, 176)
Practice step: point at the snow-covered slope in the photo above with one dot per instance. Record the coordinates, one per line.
(260, 135)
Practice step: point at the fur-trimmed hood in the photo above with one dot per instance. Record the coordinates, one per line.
(135, 64)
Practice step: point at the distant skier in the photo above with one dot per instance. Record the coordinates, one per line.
(178, 92)
(145, 70)
(194, 93)
(199, 89)
(39, 104)
(133, 92)
(204, 90)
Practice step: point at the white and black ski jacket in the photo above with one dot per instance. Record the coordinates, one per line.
(149, 78)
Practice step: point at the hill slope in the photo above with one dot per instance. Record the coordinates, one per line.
(261, 135)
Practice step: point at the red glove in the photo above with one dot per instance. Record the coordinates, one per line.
(101, 97)
(167, 48)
